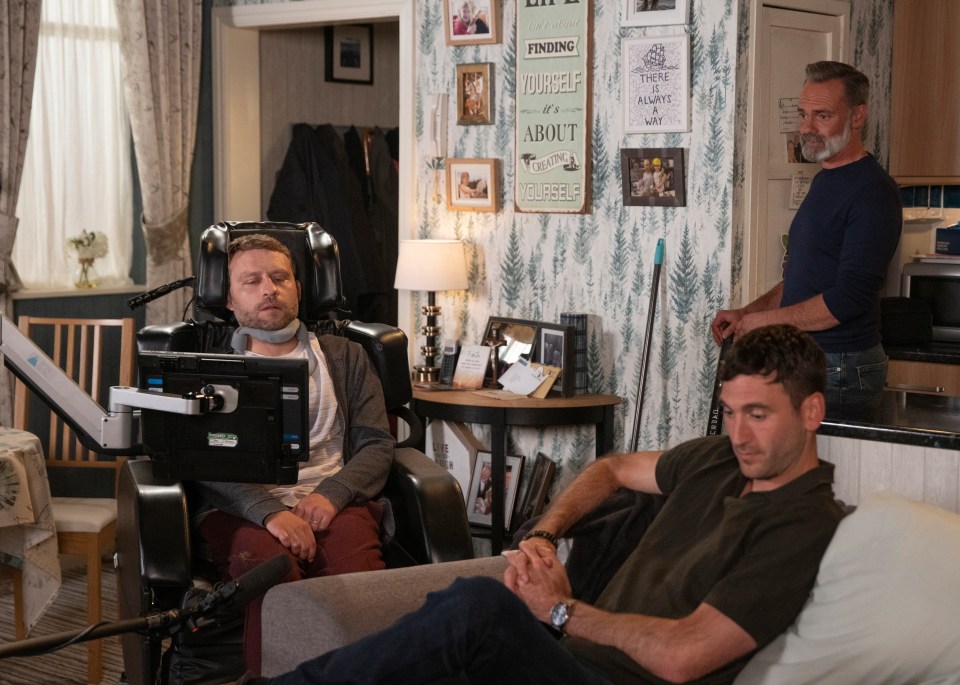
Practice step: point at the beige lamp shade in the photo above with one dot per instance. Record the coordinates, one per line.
(431, 265)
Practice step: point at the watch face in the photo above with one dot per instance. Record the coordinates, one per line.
(559, 615)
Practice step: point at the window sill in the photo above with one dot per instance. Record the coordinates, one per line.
(45, 293)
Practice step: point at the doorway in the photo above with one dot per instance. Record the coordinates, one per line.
(236, 100)
(788, 36)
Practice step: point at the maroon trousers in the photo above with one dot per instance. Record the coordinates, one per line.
(350, 544)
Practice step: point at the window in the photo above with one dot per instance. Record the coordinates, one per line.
(77, 171)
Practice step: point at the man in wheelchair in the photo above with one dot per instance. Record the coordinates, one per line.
(328, 522)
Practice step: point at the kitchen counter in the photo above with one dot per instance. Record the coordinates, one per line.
(901, 417)
(932, 352)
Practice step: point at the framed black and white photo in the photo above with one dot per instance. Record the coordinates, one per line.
(555, 348)
(471, 22)
(653, 177)
(654, 12)
(655, 84)
(472, 185)
(474, 94)
(480, 500)
(349, 53)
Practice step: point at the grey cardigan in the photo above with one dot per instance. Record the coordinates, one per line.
(367, 443)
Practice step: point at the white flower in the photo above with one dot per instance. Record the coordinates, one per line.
(89, 245)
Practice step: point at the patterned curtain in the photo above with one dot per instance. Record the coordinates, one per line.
(160, 47)
(19, 31)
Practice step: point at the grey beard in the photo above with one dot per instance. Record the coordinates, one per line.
(831, 145)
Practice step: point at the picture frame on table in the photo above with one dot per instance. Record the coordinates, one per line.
(471, 22)
(474, 94)
(654, 12)
(555, 347)
(653, 177)
(512, 338)
(480, 500)
(349, 53)
(472, 185)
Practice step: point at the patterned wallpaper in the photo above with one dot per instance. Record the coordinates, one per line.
(536, 266)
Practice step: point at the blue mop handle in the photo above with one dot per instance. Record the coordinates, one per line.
(645, 354)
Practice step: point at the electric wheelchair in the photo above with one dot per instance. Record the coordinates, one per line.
(157, 559)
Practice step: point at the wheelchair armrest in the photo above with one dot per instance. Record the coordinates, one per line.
(183, 336)
(428, 505)
(387, 348)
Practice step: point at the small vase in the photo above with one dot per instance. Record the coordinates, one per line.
(85, 276)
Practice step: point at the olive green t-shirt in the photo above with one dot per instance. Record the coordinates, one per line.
(753, 558)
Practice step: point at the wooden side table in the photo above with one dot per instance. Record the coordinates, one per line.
(469, 407)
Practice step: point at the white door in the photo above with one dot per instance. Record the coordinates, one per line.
(786, 40)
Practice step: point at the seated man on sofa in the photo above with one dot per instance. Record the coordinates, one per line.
(327, 523)
(724, 568)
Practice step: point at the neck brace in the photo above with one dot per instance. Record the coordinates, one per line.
(295, 328)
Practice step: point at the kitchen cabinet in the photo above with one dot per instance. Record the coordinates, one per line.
(925, 92)
(924, 377)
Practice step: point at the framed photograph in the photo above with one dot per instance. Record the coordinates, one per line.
(474, 94)
(555, 348)
(656, 84)
(349, 51)
(654, 12)
(480, 501)
(538, 487)
(472, 185)
(653, 177)
(512, 338)
(471, 22)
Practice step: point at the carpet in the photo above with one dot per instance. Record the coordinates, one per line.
(67, 666)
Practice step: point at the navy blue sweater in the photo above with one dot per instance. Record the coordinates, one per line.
(841, 242)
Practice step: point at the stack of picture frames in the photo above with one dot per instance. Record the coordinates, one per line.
(655, 95)
(473, 184)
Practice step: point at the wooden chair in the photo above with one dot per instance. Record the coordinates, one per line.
(86, 526)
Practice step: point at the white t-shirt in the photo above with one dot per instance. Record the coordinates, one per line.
(326, 431)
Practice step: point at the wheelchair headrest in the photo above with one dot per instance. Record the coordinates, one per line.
(316, 259)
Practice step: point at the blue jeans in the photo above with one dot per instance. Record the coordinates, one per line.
(855, 380)
(475, 631)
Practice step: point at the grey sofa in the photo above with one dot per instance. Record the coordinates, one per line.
(883, 609)
(310, 617)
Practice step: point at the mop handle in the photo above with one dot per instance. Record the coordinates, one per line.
(645, 354)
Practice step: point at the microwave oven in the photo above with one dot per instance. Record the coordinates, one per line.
(938, 283)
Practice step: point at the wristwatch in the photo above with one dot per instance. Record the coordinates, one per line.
(561, 613)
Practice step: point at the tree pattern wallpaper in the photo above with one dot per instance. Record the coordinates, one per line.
(537, 266)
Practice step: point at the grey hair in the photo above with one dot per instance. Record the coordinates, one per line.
(856, 86)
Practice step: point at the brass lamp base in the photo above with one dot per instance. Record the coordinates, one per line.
(427, 374)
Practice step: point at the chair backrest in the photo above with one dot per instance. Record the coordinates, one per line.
(316, 260)
(96, 354)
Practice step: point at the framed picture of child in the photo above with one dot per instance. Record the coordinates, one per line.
(472, 185)
(471, 22)
(474, 93)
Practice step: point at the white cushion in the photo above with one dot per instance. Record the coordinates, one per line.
(83, 514)
(885, 608)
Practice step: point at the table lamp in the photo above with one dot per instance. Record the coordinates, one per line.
(431, 265)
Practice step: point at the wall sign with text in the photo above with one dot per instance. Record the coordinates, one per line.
(656, 84)
(553, 106)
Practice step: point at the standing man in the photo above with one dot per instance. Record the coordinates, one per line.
(724, 568)
(841, 239)
(328, 522)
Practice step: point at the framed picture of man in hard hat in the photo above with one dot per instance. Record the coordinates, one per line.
(653, 177)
